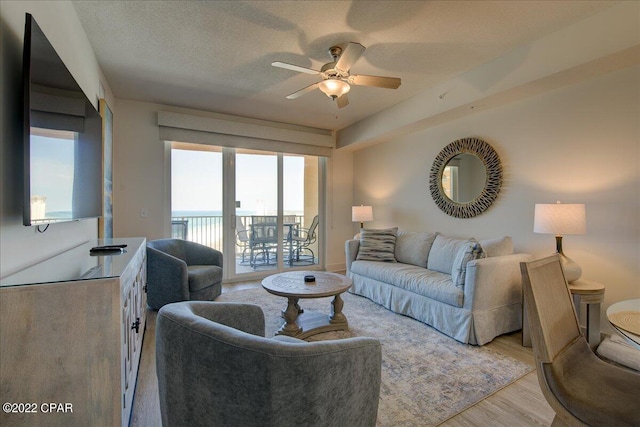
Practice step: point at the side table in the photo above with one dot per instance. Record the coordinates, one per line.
(591, 294)
(585, 292)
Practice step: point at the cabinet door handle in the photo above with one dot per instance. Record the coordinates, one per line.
(136, 325)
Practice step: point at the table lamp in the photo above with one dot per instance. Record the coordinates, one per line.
(561, 219)
(361, 214)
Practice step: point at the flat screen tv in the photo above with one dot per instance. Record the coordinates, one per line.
(62, 138)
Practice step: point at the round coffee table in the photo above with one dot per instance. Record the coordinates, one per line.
(291, 285)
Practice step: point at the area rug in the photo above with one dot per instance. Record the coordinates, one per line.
(427, 377)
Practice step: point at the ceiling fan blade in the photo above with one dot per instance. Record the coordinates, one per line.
(294, 67)
(377, 81)
(343, 101)
(302, 91)
(352, 52)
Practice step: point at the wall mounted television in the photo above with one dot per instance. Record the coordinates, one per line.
(62, 138)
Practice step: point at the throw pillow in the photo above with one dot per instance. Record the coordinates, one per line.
(473, 250)
(497, 247)
(443, 252)
(377, 245)
(413, 247)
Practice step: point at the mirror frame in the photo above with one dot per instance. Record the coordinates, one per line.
(493, 168)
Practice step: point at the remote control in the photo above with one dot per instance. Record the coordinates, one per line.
(108, 247)
(107, 250)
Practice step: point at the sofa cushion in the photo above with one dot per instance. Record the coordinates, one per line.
(497, 247)
(203, 276)
(469, 252)
(377, 245)
(444, 251)
(375, 270)
(413, 247)
(419, 280)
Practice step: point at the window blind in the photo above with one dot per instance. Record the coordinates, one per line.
(238, 132)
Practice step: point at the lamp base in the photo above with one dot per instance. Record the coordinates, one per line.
(572, 270)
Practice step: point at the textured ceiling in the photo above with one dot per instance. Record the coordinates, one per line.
(216, 55)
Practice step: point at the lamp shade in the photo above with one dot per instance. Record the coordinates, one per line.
(334, 88)
(560, 219)
(361, 213)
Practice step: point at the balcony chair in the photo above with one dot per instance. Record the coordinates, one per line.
(303, 239)
(263, 240)
(180, 270)
(290, 226)
(179, 228)
(581, 388)
(215, 367)
(242, 238)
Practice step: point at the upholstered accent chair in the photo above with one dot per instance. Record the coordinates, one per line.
(581, 388)
(180, 270)
(215, 367)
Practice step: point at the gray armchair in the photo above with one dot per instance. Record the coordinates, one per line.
(180, 270)
(215, 367)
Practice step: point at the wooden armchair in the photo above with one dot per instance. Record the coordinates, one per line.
(581, 388)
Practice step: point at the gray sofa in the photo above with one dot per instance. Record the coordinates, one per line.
(469, 290)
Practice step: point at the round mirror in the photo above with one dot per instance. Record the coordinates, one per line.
(465, 178)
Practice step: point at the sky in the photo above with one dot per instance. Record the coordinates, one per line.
(196, 182)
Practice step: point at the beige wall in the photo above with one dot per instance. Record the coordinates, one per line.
(339, 202)
(140, 172)
(142, 180)
(579, 144)
(22, 246)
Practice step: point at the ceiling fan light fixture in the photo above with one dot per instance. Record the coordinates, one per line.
(336, 76)
(334, 88)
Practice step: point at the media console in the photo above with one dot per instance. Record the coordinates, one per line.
(71, 335)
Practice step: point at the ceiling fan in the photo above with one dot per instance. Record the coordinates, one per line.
(336, 79)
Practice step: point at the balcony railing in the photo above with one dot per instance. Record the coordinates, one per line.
(207, 230)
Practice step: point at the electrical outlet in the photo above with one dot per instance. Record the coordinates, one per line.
(144, 212)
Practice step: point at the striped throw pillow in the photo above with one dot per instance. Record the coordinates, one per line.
(377, 245)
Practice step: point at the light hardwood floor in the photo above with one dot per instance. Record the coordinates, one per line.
(519, 404)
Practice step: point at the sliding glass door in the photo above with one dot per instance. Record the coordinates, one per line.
(256, 203)
(276, 204)
(300, 208)
(260, 208)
